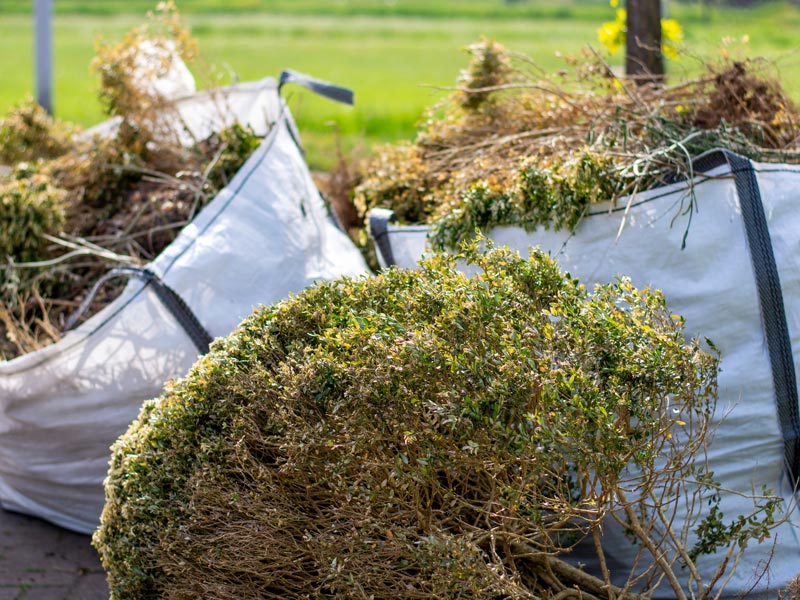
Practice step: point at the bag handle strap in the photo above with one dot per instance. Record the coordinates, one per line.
(168, 297)
(770, 297)
(326, 89)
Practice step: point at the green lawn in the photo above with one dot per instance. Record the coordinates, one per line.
(394, 54)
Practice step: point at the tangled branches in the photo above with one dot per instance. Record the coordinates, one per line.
(514, 146)
(73, 206)
(422, 434)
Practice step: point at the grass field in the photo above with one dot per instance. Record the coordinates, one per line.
(394, 53)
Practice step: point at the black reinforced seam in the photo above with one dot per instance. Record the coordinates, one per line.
(379, 219)
(168, 297)
(770, 297)
(181, 311)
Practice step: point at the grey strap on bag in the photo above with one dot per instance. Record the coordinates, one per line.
(379, 219)
(326, 89)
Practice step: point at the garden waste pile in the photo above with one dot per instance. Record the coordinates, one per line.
(419, 434)
(74, 205)
(513, 145)
(689, 188)
(482, 425)
(204, 201)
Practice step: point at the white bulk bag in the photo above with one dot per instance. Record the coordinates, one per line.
(737, 282)
(265, 235)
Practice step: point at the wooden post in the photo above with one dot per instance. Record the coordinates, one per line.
(643, 59)
(43, 10)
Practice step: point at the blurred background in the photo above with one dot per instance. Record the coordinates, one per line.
(397, 55)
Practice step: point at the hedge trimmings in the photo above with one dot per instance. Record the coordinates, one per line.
(72, 207)
(544, 147)
(420, 434)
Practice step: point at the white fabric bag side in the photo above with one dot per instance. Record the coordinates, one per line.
(265, 235)
(711, 283)
(271, 235)
(61, 407)
(196, 116)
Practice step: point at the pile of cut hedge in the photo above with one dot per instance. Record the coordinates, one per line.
(73, 206)
(429, 434)
(419, 434)
(513, 145)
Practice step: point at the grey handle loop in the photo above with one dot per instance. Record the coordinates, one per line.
(168, 297)
(323, 88)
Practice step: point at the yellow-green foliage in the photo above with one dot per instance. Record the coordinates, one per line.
(488, 69)
(124, 67)
(417, 434)
(28, 133)
(556, 196)
(29, 207)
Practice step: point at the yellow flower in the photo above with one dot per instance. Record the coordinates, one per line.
(612, 33)
(671, 30)
(671, 37)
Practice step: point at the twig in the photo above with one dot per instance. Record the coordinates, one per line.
(80, 249)
(636, 527)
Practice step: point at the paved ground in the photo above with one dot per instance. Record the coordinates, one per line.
(39, 561)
